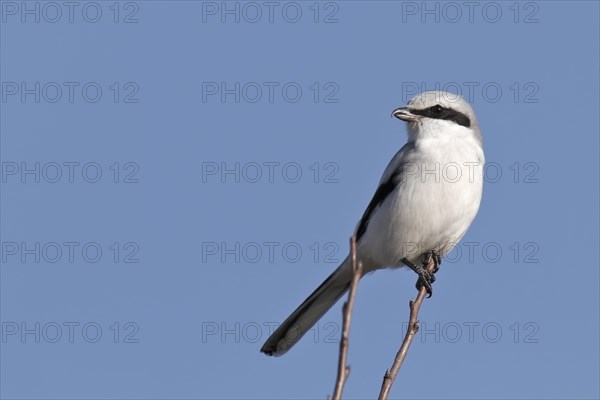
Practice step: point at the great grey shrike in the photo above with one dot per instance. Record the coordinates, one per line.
(426, 200)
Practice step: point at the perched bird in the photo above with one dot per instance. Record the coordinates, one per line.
(426, 200)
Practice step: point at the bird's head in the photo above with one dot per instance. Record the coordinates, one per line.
(438, 114)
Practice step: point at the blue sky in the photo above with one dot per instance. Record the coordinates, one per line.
(177, 177)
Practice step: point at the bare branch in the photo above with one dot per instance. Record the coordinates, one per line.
(343, 367)
(413, 328)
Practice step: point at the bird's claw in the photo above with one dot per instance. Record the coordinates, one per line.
(426, 277)
(425, 280)
(437, 260)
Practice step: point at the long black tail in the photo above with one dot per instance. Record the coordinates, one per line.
(309, 312)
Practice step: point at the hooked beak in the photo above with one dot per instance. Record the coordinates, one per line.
(404, 114)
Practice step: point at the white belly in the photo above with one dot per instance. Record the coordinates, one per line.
(432, 207)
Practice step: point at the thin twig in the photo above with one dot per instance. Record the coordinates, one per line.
(413, 328)
(343, 367)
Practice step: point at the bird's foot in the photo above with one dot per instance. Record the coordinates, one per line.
(435, 256)
(426, 278)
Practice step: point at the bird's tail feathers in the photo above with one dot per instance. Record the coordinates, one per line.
(310, 311)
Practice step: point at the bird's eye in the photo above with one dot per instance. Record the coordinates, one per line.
(437, 109)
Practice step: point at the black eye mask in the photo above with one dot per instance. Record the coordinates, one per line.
(439, 112)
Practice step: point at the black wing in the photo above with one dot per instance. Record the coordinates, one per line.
(382, 192)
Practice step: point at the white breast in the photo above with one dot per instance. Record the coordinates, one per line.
(432, 207)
